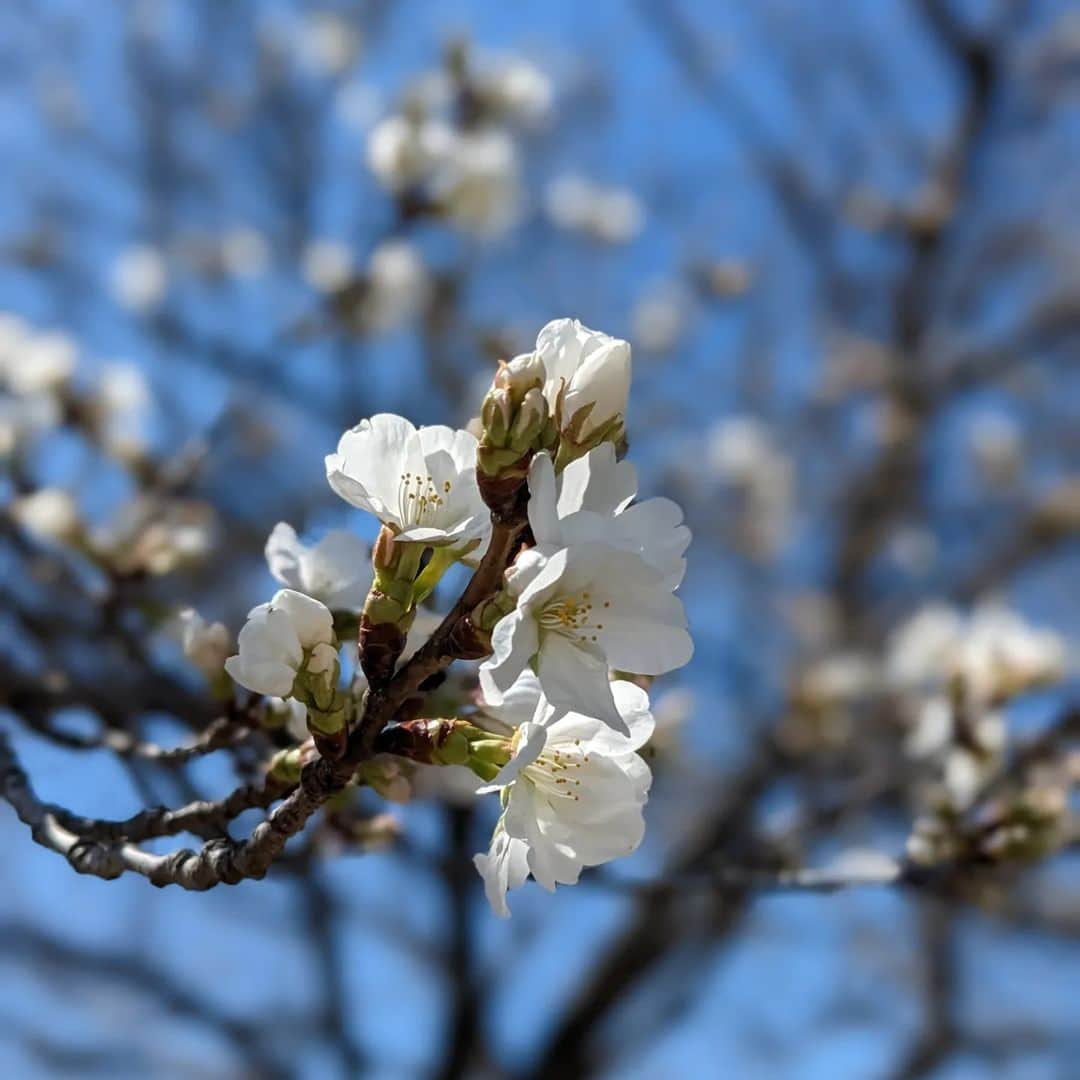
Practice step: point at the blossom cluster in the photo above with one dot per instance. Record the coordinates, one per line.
(583, 615)
(451, 150)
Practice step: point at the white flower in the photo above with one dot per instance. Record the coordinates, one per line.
(516, 88)
(573, 792)
(49, 513)
(478, 186)
(335, 571)
(327, 265)
(994, 653)
(399, 284)
(581, 611)
(206, 645)
(421, 482)
(612, 215)
(139, 278)
(36, 363)
(593, 501)
(402, 152)
(281, 638)
(587, 368)
(1002, 655)
(121, 404)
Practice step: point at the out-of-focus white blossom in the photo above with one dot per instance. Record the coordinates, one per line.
(993, 654)
(743, 455)
(403, 151)
(514, 88)
(659, 318)
(573, 792)
(120, 403)
(612, 215)
(140, 277)
(398, 282)
(245, 252)
(478, 185)
(157, 536)
(36, 362)
(329, 43)
(327, 265)
(966, 758)
(421, 482)
(335, 571)
(49, 514)
(997, 447)
(206, 645)
(290, 634)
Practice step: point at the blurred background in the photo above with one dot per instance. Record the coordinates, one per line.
(843, 237)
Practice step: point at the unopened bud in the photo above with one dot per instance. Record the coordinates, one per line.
(530, 421)
(496, 416)
(522, 374)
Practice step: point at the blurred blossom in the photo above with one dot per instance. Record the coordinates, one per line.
(157, 535)
(23, 418)
(838, 680)
(478, 186)
(139, 278)
(32, 362)
(120, 404)
(514, 88)
(997, 448)
(399, 285)
(967, 751)
(743, 455)
(328, 42)
(612, 215)
(403, 151)
(327, 265)
(49, 514)
(993, 654)
(660, 318)
(244, 251)
(206, 645)
(335, 571)
(914, 550)
(725, 278)
(671, 712)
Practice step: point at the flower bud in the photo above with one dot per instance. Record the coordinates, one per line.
(530, 421)
(522, 374)
(496, 416)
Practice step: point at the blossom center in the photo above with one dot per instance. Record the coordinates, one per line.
(552, 773)
(419, 499)
(572, 616)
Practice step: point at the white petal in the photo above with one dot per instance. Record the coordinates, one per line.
(543, 515)
(574, 680)
(519, 703)
(310, 619)
(283, 553)
(370, 461)
(504, 867)
(514, 642)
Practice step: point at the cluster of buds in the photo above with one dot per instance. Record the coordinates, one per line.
(450, 742)
(515, 423)
(566, 397)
